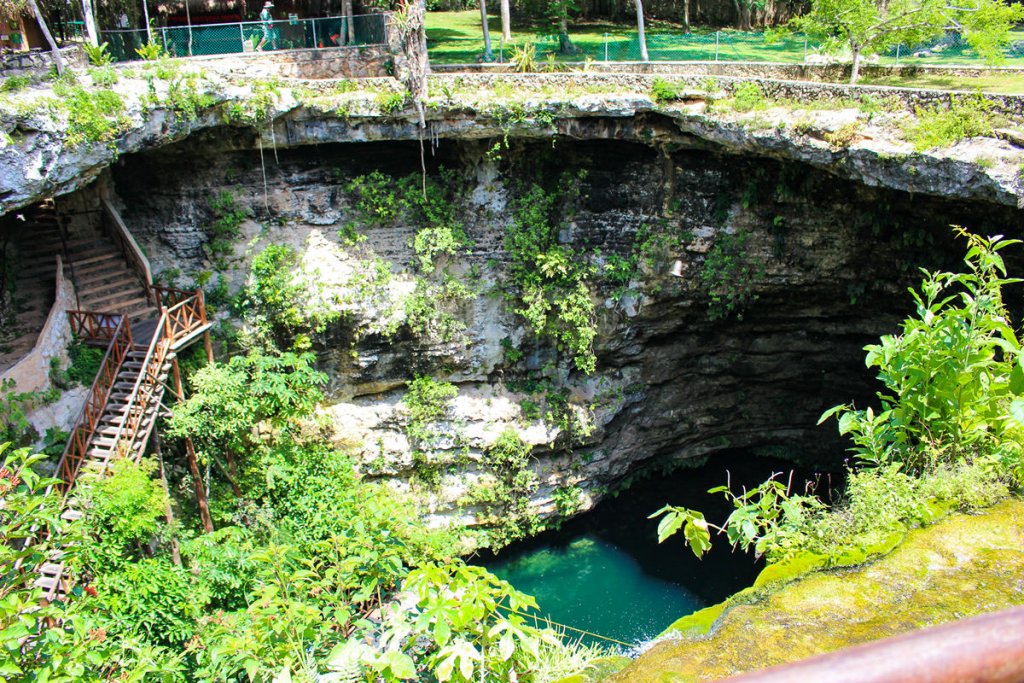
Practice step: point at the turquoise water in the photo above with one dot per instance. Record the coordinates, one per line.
(605, 572)
(584, 583)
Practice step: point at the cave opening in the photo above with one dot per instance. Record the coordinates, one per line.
(813, 267)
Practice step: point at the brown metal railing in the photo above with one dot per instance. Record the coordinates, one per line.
(94, 327)
(985, 649)
(96, 402)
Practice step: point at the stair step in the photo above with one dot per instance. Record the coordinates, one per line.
(89, 267)
(108, 255)
(117, 284)
(116, 302)
(51, 568)
(47, 583)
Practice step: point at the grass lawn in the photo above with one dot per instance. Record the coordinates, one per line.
(455, 38)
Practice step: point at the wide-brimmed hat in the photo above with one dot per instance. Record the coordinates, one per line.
(268, 4)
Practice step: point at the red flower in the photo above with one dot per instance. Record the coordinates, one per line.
(90, 590)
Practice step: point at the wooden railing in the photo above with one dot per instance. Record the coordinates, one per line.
(96, 402)
(94, 327)
(186, 311)
(119, 232)
(177, 323)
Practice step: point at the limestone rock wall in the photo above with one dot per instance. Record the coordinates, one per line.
(672, 382)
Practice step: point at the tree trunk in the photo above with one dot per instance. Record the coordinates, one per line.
(197, 485)
(89, 16)
(855, 67)
(351, 22)
(506, 22)
(58, 61)
(641, 35)
(149, 29)
(233, 472)
(686, 15)
(565, 45)
(488, 57)
(168, 512)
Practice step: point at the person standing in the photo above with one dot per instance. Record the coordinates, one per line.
(267, 20)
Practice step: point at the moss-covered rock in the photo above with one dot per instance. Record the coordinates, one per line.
(963, 566)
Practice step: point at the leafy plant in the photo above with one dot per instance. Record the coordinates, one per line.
(967, 116)
(844, 136)
(663, 91)
(390, 102)
(98, 55)
(954, 377)
(947, 436)
(280, 304)
(748, 96)
(427, 401)
(524, 58)
(730, 275)
(151, 51)
(13, 84)
(551, 279)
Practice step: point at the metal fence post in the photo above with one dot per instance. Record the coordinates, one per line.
(716, 46)
(316, 43)
(606, 47)
(241, 34)
(501, 50)
(805, 48)
(897, 54)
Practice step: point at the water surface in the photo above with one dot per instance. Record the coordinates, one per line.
(605, 572)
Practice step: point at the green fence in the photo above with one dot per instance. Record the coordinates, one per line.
(221, 39)
(710, 46)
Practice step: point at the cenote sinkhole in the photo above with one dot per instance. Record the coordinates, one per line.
(605, 573)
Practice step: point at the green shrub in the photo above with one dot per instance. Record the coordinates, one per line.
(98, 54)
(13, 84)
(663, 91)
(967, 116)
(151, 51)
(390, 102)
(551, 279)
(85, 363)
(103, 77)
(92, 115)
(731, 275)
(427, 401)
(524, 58)
(748, 96)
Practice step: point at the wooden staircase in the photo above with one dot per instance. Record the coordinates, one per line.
(103, 277)
(31, 241)
(124, 402)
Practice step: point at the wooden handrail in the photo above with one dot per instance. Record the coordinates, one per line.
(129, 247)
(95, 403)
(176, 323)
(94, 326)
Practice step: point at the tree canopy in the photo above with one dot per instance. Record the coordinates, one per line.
(869, 27)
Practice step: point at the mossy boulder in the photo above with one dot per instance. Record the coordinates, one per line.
(962, 566)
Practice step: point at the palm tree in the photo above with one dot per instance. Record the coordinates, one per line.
(488, 57)
(640, 34)
(506, 22)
